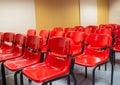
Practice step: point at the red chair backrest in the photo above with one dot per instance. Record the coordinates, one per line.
(19, 43)
(59, 45)
(79, 28)
(92, 28)
(20, 39)
(58, 29)
(45, 35)
(31, 32)
(8, 36)
(8, 39)
(104, 31)
(117, 42)
(67, 29)
(33, 44)
(76, 36)
(56, 34)
(99, 40)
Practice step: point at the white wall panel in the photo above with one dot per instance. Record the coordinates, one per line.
(114, 11)
(17, 15)
(88, 12)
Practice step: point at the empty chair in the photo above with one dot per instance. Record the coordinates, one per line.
(116, 44)
(67, 29)
(87, 31)
(92, 28)
(97, 52)
(58, 29)
(45, 35)
(17, 49)
(104, 31)
(31, 32)
(31, 56)
(76, 45)
(8, 39)
(79, 28)
(56, 33)
(58, 64)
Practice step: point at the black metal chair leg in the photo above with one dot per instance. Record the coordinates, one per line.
(50, 83)
(93, 76)
(15, 77)
(68, 80)
(114, 57)
(42, 57)
(85, 72)
(105, 66)
(99, 68)
(74, 78)
(21, 79)
(112, 73)
(45, 83)
(29, 81)
(3, 74)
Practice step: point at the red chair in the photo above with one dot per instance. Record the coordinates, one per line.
(1, 38)
(31, 32)
(58, 29)
(104, 31)
(79, 28)
(8, 39)
(45, 35)
(96, 53)
(76, 45)
(104, 26)
(67, 29)
(31, 56)
(58, 64)
(92, 28)
(116, 45)
(56, 33)
(16, 51)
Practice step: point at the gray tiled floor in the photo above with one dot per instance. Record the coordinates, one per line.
(102, 76)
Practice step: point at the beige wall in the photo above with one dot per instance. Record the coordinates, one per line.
(88, 12)
(52, 13)
(114, 11)
(17, 15)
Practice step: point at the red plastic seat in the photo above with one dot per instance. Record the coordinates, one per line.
(31, 56)
(8, 39)
(58, 64)
(1, 38)
(31, 32)
(96, 53)
(76, 44)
